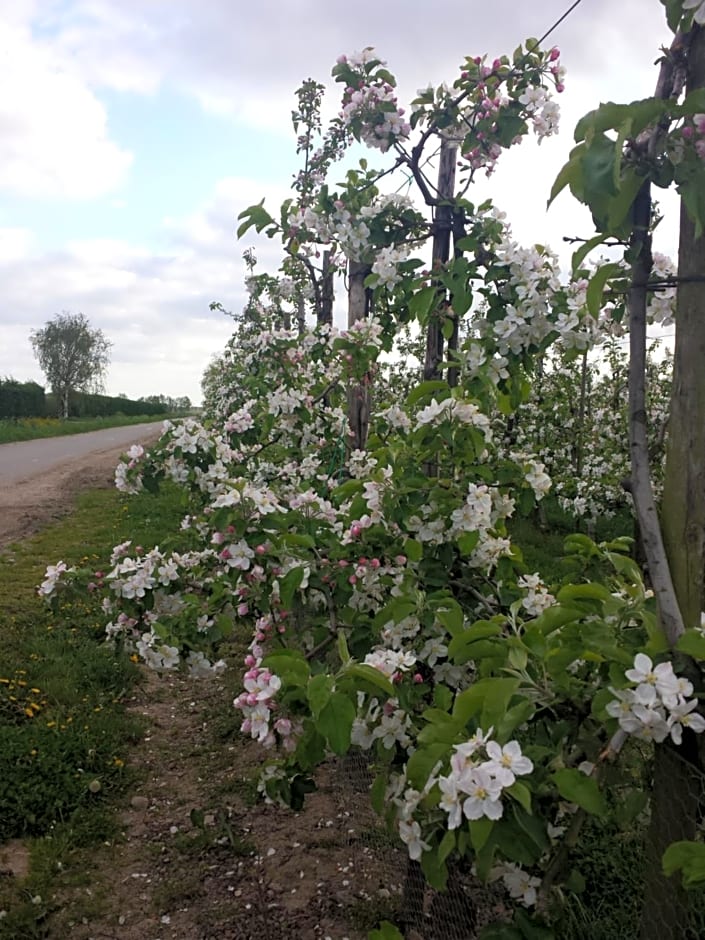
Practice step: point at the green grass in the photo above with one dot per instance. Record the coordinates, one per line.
(64, 731)
(541, 539)
(29, 429)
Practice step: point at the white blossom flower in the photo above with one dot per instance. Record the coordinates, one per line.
(484, 796)
(506, 762)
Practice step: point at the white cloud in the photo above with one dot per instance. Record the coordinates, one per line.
(152, 305)
(54, 139)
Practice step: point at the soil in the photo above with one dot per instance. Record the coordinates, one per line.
(31, 504)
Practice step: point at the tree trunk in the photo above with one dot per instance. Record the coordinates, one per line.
(359, 302)
(325, 314)
(440, 252)
(683, 507)
(677, 787)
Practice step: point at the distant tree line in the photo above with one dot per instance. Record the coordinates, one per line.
(29, 400)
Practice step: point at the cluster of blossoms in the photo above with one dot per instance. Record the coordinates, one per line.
(658, 705)
(385, 231)
(370, 108)
(538, 598)
(480, 771)
(52, 578)
(490, 95)
(387, 723)
(257, 703)
(473, 788)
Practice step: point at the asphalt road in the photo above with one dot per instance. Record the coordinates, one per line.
(25, 460)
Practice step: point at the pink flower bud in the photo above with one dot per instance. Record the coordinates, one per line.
(375, 563)
(554, 54)
(250, 660)
(400, 559)
(342, 563)
(260, 549)
(356, 531)
(352, 579)
(242, 610)
(418, 678)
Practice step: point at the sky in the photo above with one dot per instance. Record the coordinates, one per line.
(133, 133)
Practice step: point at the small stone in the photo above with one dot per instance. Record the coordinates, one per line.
(140, 803)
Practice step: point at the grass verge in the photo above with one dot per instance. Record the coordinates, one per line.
(29, 429)
(64, 731)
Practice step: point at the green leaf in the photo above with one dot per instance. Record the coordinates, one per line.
(256, 216)
(289, 665)
(692, 642)
(396, 610)
(422, 302)
(575, 882)
(674, 12)
(480, 830)
(295, 538)
(694, 103)
(422, 762)
(318, 693)
(553, 619)
(608, 116)
(571, 175)
(597, 284)
(619, 212)
(371, 675)
(521, 793)
(378, 792)
(343, 651)
(688, 857)
(599, 168)
(452, 618)
(486, 696)
(335, 722)
(477, 631)
(413, 550)
(425, 390)
(447, 845)
(467, 542)
(435, 870)
(581, 253)
(386, 931)
(289, 584)
(575, 787)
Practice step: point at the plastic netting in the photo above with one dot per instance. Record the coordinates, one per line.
(628, 897)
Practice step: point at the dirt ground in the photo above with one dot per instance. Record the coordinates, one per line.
(31, 504)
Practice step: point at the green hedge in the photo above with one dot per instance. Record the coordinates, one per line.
(22, 399)
(29, 400)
